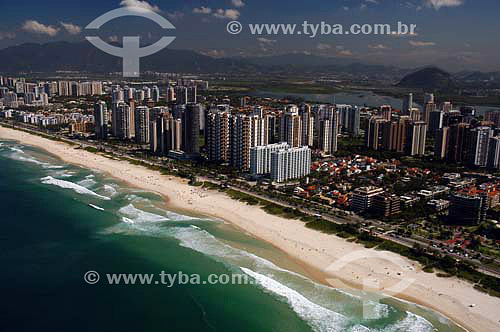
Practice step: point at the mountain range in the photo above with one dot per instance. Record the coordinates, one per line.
(83, 56)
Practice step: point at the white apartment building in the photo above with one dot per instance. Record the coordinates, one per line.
(292, 163)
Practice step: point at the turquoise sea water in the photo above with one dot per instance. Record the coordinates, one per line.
(60, 221)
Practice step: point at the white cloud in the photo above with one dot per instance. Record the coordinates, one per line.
(230, 14)
(36, 27)
(266, 41)
(403, 35)
(174, 16)
(7, 35)
(71, 28)
(214, 53)
(421, 43)
(378, 47)
(139, 5)
(375, 2)
(238, 3)
(323, 46)
(202, 10)
(345, 53)
(437, 4)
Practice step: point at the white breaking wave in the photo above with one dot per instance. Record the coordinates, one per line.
(139, 216)
(96, 207)
(110, 190)
(52, 166)
(87, 183)
(320, 319)
(70, 185)
(411, 323)
(322, 315)
(61, 174)
(20, 155)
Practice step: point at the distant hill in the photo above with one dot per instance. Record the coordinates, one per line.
(430, 78)
(83, 56)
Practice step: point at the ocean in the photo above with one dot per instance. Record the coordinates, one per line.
(60, 221)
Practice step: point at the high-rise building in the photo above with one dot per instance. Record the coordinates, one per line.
(170, 94)
(457, 143)
(386, 112)
(246, 132)
(435, 122)
(156, 94)
(415, 138)
(165, 134)
(291, 127)
(477, 142)
(332, 115)
(181, 95)
(307, 125)
(141, 125)
(429, 98)
(272, 127)
(260, 157)
(292, 163)
(354, 121)
(128, 93)
(441, 144)
(395, 133)
(493, 116)
(429, 108)
(122, 121)
(192, 96)
(494, 153)
(217, 135)
(191, 130)
(64, 89)
(117, 94)
(447, 107)
(325, 140)
(374, 133)
(101, 120)
(407, 104)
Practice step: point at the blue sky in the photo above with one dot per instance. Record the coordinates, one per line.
(455, 34)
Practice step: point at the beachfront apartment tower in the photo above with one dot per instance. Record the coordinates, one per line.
(217, 135)
(122, 121)
(291, 127)
(191, 130)
(101, 120)
(292, 163)
(141, 125)
(260, 157)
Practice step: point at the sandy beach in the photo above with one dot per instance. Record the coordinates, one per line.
(454, 298)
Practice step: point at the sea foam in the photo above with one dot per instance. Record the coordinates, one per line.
(320, 318)
(70, 185)
(131, 212)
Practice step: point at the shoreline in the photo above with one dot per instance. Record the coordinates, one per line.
(312, 250)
